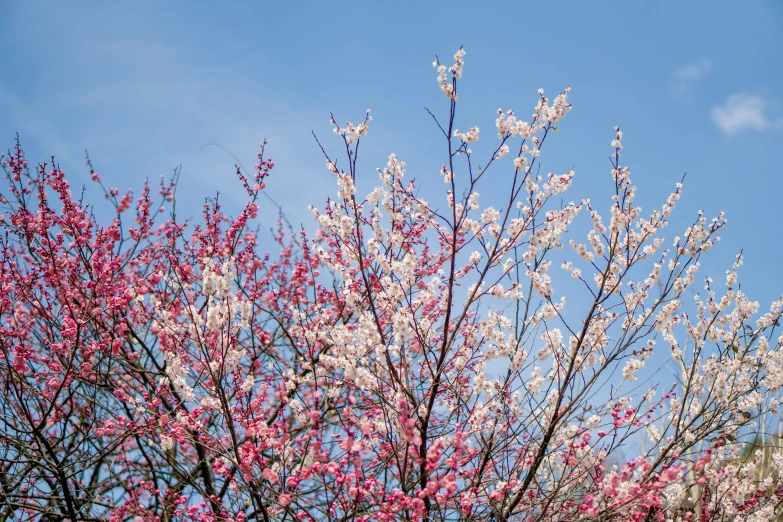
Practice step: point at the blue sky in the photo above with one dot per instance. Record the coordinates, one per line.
(144, 86)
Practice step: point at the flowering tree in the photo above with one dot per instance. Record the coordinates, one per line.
(409, 360)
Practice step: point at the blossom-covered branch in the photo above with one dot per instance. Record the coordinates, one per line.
(409, 360)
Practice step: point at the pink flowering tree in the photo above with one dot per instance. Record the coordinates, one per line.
(408, 360)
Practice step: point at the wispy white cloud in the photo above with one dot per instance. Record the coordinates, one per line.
(144, 103)
(744, 112)
(685, 76)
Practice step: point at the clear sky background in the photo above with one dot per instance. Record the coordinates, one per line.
(696, 86)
